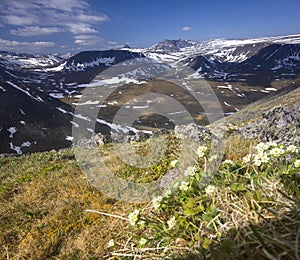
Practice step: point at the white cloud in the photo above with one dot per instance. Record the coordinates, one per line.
(19, 20)
(92, 18)
(113, 43)
(64, 5)
(85, 40)
(186, 28)
(80, 28)
(69, 15)
(16, 45)
(36, 30)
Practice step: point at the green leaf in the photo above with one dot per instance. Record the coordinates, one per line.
(189, 212)
(237, 187)
(206, 243)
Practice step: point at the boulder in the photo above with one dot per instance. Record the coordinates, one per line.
(279, 124)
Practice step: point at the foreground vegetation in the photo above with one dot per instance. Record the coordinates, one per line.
(250, 209)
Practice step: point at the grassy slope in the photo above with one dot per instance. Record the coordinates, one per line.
(286, 97)
(44, 196)
(43, 201)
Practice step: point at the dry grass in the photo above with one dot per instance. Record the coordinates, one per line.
(45, 218)
(44, 198)
(237, 146)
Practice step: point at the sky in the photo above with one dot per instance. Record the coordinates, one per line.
(63, 26)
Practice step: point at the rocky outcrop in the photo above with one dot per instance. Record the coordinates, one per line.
(278, 124)
(193, 132)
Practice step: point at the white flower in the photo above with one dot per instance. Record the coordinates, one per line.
(111, 243)
(247, 158)
(257, 161)
(292, 148)
(260, 147)
(156, 202)
(133, 217)
(171, 222)
(142, 223)
(277, 151)
(174, 163)
(265, 158)
(143, 241)
(230, 162)
(297, 163)
(272, 144)
(259, 155)
(167, 192)
(201, 151)
(190, 171)
(184, 185)
(210, 189)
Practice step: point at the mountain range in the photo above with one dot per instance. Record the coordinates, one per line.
(39, 94)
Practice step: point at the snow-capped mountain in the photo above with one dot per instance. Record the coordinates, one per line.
(222, 50)
(29, 61)
(38, 93)
(275, 61)
(173, 45)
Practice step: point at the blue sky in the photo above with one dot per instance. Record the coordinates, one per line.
(61, 26)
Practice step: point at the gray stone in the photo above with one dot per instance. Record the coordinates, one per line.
(278, 124)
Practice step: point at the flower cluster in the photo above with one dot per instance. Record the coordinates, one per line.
(171, 222)
(156, 201)
(265, 151)
(174, 163)
(187, 202)
(184, 185)
(111, 243)
(228, 162)
(190, 171)
(143, 241)
(133, 217)
(201, 151)
(210, 189)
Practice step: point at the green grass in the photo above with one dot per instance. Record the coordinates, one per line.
(249, 211)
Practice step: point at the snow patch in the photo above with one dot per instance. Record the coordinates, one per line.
(74, 124)
(140, 107)
(270, 89)
(177, 112)
(58, 68)
(12, 131)
(69, 138)
(38, 99)
(26, 144)
(61, 110)
(56, 95)
(22, 112)
(89, 102)
(82, 117)
(15, 148)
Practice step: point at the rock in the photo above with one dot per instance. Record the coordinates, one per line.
(169, 178)
(98, 139)
(193, 132)
(141, 136)
(278, 124)
(159, 133)
(118, 138)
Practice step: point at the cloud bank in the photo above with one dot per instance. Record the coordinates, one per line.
(46, 17)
